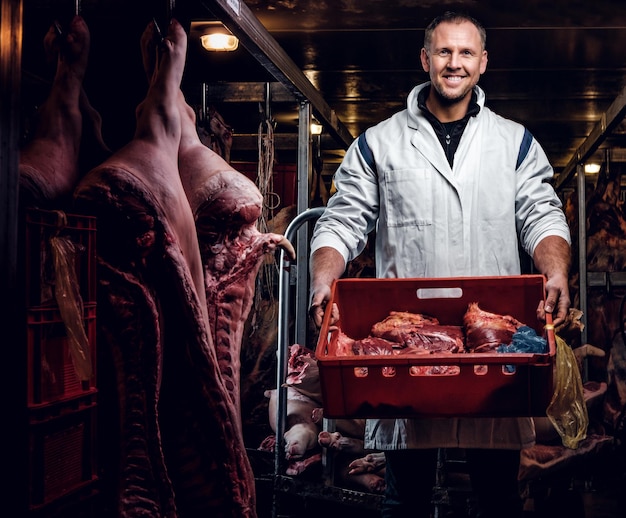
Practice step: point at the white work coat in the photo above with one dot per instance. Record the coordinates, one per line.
(432, 220)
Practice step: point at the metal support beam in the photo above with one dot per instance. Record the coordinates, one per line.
(582, 248)
(609, 120)
(239, 20)
(305, 172)
(248, 92)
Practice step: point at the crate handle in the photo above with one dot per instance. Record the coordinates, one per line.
(439, 293)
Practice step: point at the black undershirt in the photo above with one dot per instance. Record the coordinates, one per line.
(448, 133)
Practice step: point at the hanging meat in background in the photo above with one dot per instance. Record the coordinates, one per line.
(67, 126)
(215, 133)
(605, 254)
(179, 451)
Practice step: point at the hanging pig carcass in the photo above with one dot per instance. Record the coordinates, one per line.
(179, 451)
(67, 126)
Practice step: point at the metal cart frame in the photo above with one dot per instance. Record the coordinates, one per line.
(325, 489)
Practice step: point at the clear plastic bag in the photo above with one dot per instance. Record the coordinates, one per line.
(567, 410)
(71, 305)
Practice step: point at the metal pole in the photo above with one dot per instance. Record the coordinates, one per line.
(305, 171)
(284, 295)
(582, 247)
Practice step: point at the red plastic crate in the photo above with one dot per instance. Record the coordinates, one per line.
(51, 374)
(41, 226)
(387, 386)
(62, 451)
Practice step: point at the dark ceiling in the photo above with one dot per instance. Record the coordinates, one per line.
(554, 66)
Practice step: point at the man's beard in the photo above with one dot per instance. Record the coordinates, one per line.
(450, 101)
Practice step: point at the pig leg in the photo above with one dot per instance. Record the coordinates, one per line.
(371, 463)
(157, 138)
(298, 467)
(93, 148)
(336, 441)
(49, 163)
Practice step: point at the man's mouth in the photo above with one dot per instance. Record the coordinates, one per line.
(453, 79)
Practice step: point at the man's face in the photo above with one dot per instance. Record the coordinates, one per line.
(455, 60)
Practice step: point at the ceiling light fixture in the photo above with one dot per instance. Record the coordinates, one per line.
(316, 128)
(592, 168)
(218, 38)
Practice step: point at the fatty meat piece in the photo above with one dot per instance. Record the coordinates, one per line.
(373, 345)
(485, 331)
(400, 324)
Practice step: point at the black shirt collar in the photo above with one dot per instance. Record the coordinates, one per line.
(472, 109)
(449, 134)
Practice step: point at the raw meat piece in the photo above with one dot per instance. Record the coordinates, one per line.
(345, 345)
(419, 332)
(542, 460)
(485, 331)
(373, 345)
(605, 245)
(298, 467)
(435, 370)
(398, 326)
(303, 372)
(435, 338)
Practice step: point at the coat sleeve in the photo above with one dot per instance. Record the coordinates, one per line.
(352, 212)
(538, 209)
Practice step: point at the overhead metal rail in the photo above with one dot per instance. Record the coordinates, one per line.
(609, 120)
(613, 116)
(239, 20)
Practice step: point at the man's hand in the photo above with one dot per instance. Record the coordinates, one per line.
(319, 299)
(557, 300)
(327, 265)
(552, 259)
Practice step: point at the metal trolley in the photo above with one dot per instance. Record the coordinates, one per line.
(323, 489)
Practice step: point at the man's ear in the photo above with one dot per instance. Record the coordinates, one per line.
(424, 60)
(483, 62)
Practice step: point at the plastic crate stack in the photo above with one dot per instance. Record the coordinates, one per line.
(61, 392)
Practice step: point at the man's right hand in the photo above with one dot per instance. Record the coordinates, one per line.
(319, 300)
(326, 265)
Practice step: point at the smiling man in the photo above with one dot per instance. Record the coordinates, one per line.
(451, 189)
(454, 56)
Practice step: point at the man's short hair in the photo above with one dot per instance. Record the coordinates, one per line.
(454, 17)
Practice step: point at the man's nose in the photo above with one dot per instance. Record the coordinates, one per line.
(455, 60)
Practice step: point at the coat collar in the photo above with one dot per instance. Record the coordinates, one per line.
(416, 104)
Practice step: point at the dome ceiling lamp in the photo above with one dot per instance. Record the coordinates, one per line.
(217, 38)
